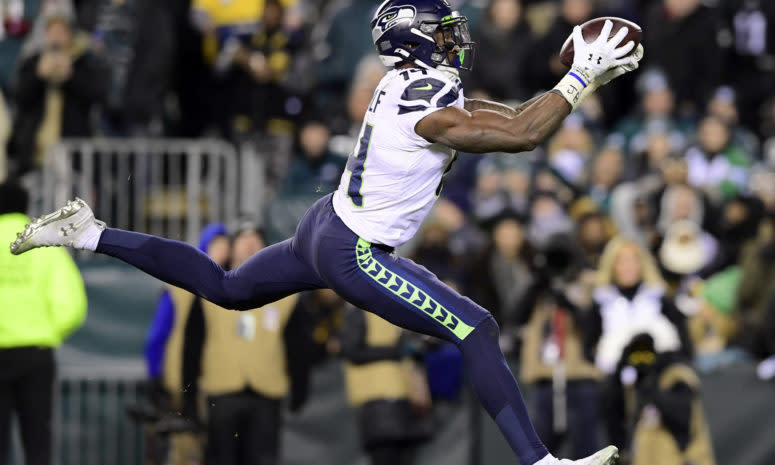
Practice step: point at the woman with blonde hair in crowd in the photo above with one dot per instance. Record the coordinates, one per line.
(630, 299)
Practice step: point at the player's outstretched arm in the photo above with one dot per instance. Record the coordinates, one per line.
(490, 130)
(472, 104)
(483, 126)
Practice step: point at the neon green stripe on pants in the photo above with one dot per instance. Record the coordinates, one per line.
(407, 291)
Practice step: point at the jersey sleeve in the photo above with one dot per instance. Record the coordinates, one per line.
(421, 95)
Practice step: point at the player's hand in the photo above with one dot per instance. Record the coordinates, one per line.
(593, 60)
(615, 72)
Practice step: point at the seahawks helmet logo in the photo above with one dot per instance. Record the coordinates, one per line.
(392, 17)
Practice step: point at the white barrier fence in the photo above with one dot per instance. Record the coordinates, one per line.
(166, 187)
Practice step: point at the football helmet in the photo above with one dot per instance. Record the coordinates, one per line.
(424, 32)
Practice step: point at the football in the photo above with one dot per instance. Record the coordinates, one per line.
(591, 29)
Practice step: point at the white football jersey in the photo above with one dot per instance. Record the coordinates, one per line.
(393, 176)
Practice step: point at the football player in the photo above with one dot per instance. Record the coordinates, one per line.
(417, 120)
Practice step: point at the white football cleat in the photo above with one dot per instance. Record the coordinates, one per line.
(607, 456)
(71, 226)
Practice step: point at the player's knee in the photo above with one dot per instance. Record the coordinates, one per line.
(489, 328)
(487, 332)
(226, 298)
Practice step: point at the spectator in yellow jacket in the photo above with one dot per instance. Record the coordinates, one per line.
(42, 301)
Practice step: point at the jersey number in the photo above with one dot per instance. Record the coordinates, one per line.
(355, 166)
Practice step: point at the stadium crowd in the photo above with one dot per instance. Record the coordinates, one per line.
(632, 249)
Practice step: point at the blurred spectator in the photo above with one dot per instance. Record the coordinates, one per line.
(630, 299)
(754, 301)
(315, 170)
(142, 81)
(766, 368)
(501, 275)
(738, 224)
(655, 114)
(654, 397)
(368, 74)
(542, 65)
(565, 382)
(251, 60)
(750, 69)
(267, 59)
(547, 218)
(593, 231)
(716, 165)
(713, 323)
(322, 312)
(503, 41)
(224, 25)
(244, 398)
(569, 150)
(547, 180)
(35, 38)
(686, 250)
(762, 185)
(463, 237)
(650, 150)
(389, 392)
(164, 357)
(17, 15)
(607, 171)
(191, 82)
(56, 93)
(501, 184)
(680, 202)
(723, 105)
(42, 301)
(342, 49)
(683, 41)
(5, 134)
(633, 215)
(433, 251)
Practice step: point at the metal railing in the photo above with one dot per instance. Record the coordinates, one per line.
(90, 421)
(165, 187)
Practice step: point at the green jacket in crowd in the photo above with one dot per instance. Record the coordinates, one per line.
(42, 297)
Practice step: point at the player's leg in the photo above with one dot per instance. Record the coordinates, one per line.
(269, 275)
(409, 296)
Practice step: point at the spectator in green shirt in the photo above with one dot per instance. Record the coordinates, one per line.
(42, 301)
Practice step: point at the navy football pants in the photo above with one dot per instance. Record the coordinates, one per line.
(324, 253)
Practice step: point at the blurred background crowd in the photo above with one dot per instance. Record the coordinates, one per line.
(625, 259)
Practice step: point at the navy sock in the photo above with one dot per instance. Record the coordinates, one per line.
(498, 391)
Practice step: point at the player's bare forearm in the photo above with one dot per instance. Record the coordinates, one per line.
(472, 104)
(485, 130)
